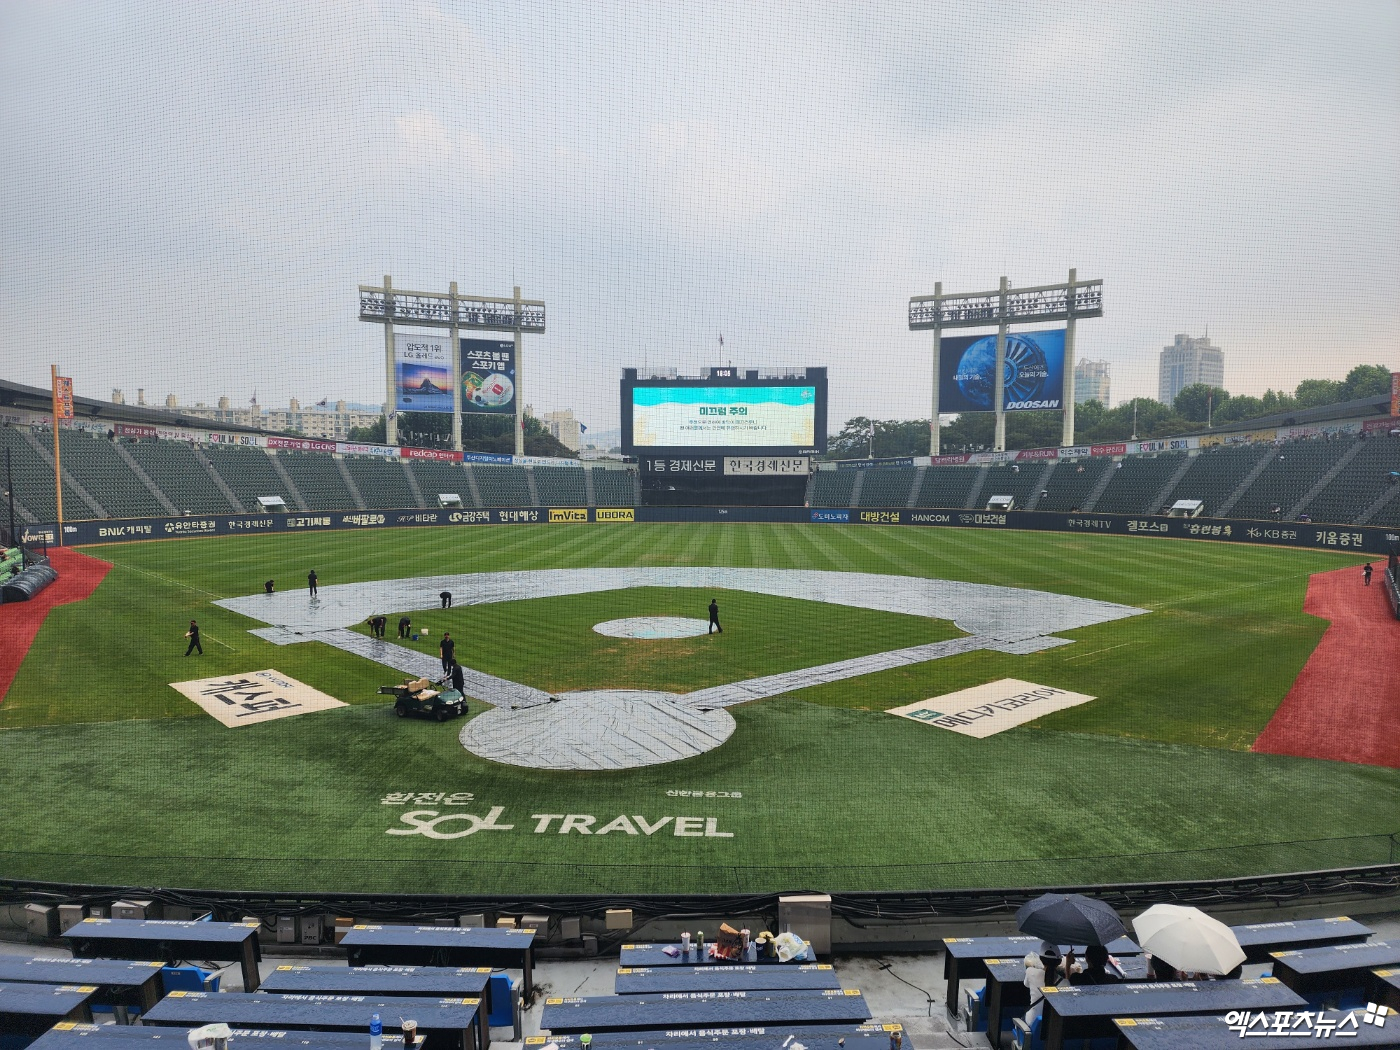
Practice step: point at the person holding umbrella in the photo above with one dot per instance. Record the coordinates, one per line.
(1189, 940)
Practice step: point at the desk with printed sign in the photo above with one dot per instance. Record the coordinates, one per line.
(443, 1024)
(120, 983)
(1317, 971)
(1087, 1012)
(652, 955)
(1385, 988)
(1007, 991)
(620, 1013)
(434, 982)
(31, 1009)
(964, 957)
(68, 1035)
(1259, 940)
(169, 941)
(1215, 1033)
(635, 980)
(451, 946)
(869, 1036)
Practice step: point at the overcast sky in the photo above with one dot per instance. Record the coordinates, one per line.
(191, 192)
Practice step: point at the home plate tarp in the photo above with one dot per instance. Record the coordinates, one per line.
(985, 710)
(258, 696)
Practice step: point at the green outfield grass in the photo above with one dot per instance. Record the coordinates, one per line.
(119, 778)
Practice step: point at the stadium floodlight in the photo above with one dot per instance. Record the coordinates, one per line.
(1002, 308)
(388, 306)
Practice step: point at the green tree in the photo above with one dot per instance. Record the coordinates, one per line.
(370, 435)
(1366, 381)
(1199, 402)
(1312, 393)
(1240, 407)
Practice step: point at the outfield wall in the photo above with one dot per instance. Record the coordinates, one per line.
(1359, 539)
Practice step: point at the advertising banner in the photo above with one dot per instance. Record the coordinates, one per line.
(257, 696)
(301, 444)
(488, 376)
(445, 455)
(351, 449)
(63, 397)
(132, 430)
(1034, 372)
(866, 464)
(422, 373)
(986, 710)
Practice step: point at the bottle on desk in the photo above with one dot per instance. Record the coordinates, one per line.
(376, 1032)
(685, 944)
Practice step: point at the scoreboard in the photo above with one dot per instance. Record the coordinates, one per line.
(730, 413)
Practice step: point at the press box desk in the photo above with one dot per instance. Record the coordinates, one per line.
(170, 941)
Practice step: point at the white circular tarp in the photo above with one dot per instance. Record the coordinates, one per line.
(653, 627)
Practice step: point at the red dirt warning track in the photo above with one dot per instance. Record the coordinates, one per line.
(1345, 705)
(78, 577)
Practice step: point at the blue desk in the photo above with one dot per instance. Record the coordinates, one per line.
(1212, 1033)
(119, 982)
(32, 1009)
(634, 980)
(620, 1013)
(963, 957)
(758, 1037)
(652, 955)
(443, 1024)
(1259, 940)
(1007, 991)
(1088, 1012)
(1311, 971)
(70, 1036)
(435, 982)
(1385, 988)
(443, 946)
(169, 941)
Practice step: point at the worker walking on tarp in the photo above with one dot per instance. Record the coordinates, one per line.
(446, 598)
(311, 582)
(714, 618)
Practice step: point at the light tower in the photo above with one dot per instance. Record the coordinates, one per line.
(388, 306)
(1004, 307)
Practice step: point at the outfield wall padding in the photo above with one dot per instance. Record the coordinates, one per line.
(1359, 539)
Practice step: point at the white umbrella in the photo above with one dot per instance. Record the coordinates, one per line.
(1188, 939)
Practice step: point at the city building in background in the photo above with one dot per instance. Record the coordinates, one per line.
(1091, 382)
(1189, 361)
(567, 430)
(313, 421)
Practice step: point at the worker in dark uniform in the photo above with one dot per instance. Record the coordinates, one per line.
(457, 681)
(446, 598)
(311, 582)
(714, 618)
(404, 624)
(193, 635)
(447, 650)
(270, 586)
(1366, 574)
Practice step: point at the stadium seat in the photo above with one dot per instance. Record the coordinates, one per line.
(1024, 1037)
(974, 1010)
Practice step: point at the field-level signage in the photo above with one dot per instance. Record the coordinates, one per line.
(985, 710)
(434, 824)
(258, 696)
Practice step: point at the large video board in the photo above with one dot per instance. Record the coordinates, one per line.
(725, 413)
(1034, 371)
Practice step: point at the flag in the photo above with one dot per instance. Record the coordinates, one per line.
(254, 399)
(322, 402)
(721, 339)
(582, 429)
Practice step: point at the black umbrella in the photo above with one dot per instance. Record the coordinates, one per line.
(1070, 918)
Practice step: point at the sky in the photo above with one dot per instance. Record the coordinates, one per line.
(191, 193)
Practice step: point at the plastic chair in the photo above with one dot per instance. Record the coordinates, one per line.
(1027, 1038)
(974, 1011)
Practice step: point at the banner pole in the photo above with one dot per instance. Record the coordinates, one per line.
(1067, 370)
(519, 389)
(999, 396)
(57, 463)
(391, 405)
(455, 352)
(935, 438)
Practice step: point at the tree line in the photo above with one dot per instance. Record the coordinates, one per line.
(480, 433)
(1195, 408)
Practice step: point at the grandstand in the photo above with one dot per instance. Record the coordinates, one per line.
(318, 478)
(383, 483)
(946, 487)
(181, 475)
(560, 486)
(1288, 476)
(615, 488)
(435, 477)
(1137, 482)
(1072, 482)
(1021, 481)
(832, 488)
(502, 486)
(248, 473)
(1215, 476)
(888, 487)
(33, 472)
(94, 463)
(1361, 481)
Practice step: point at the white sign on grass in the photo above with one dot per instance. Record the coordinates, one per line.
(985, 710)
(258, 696)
